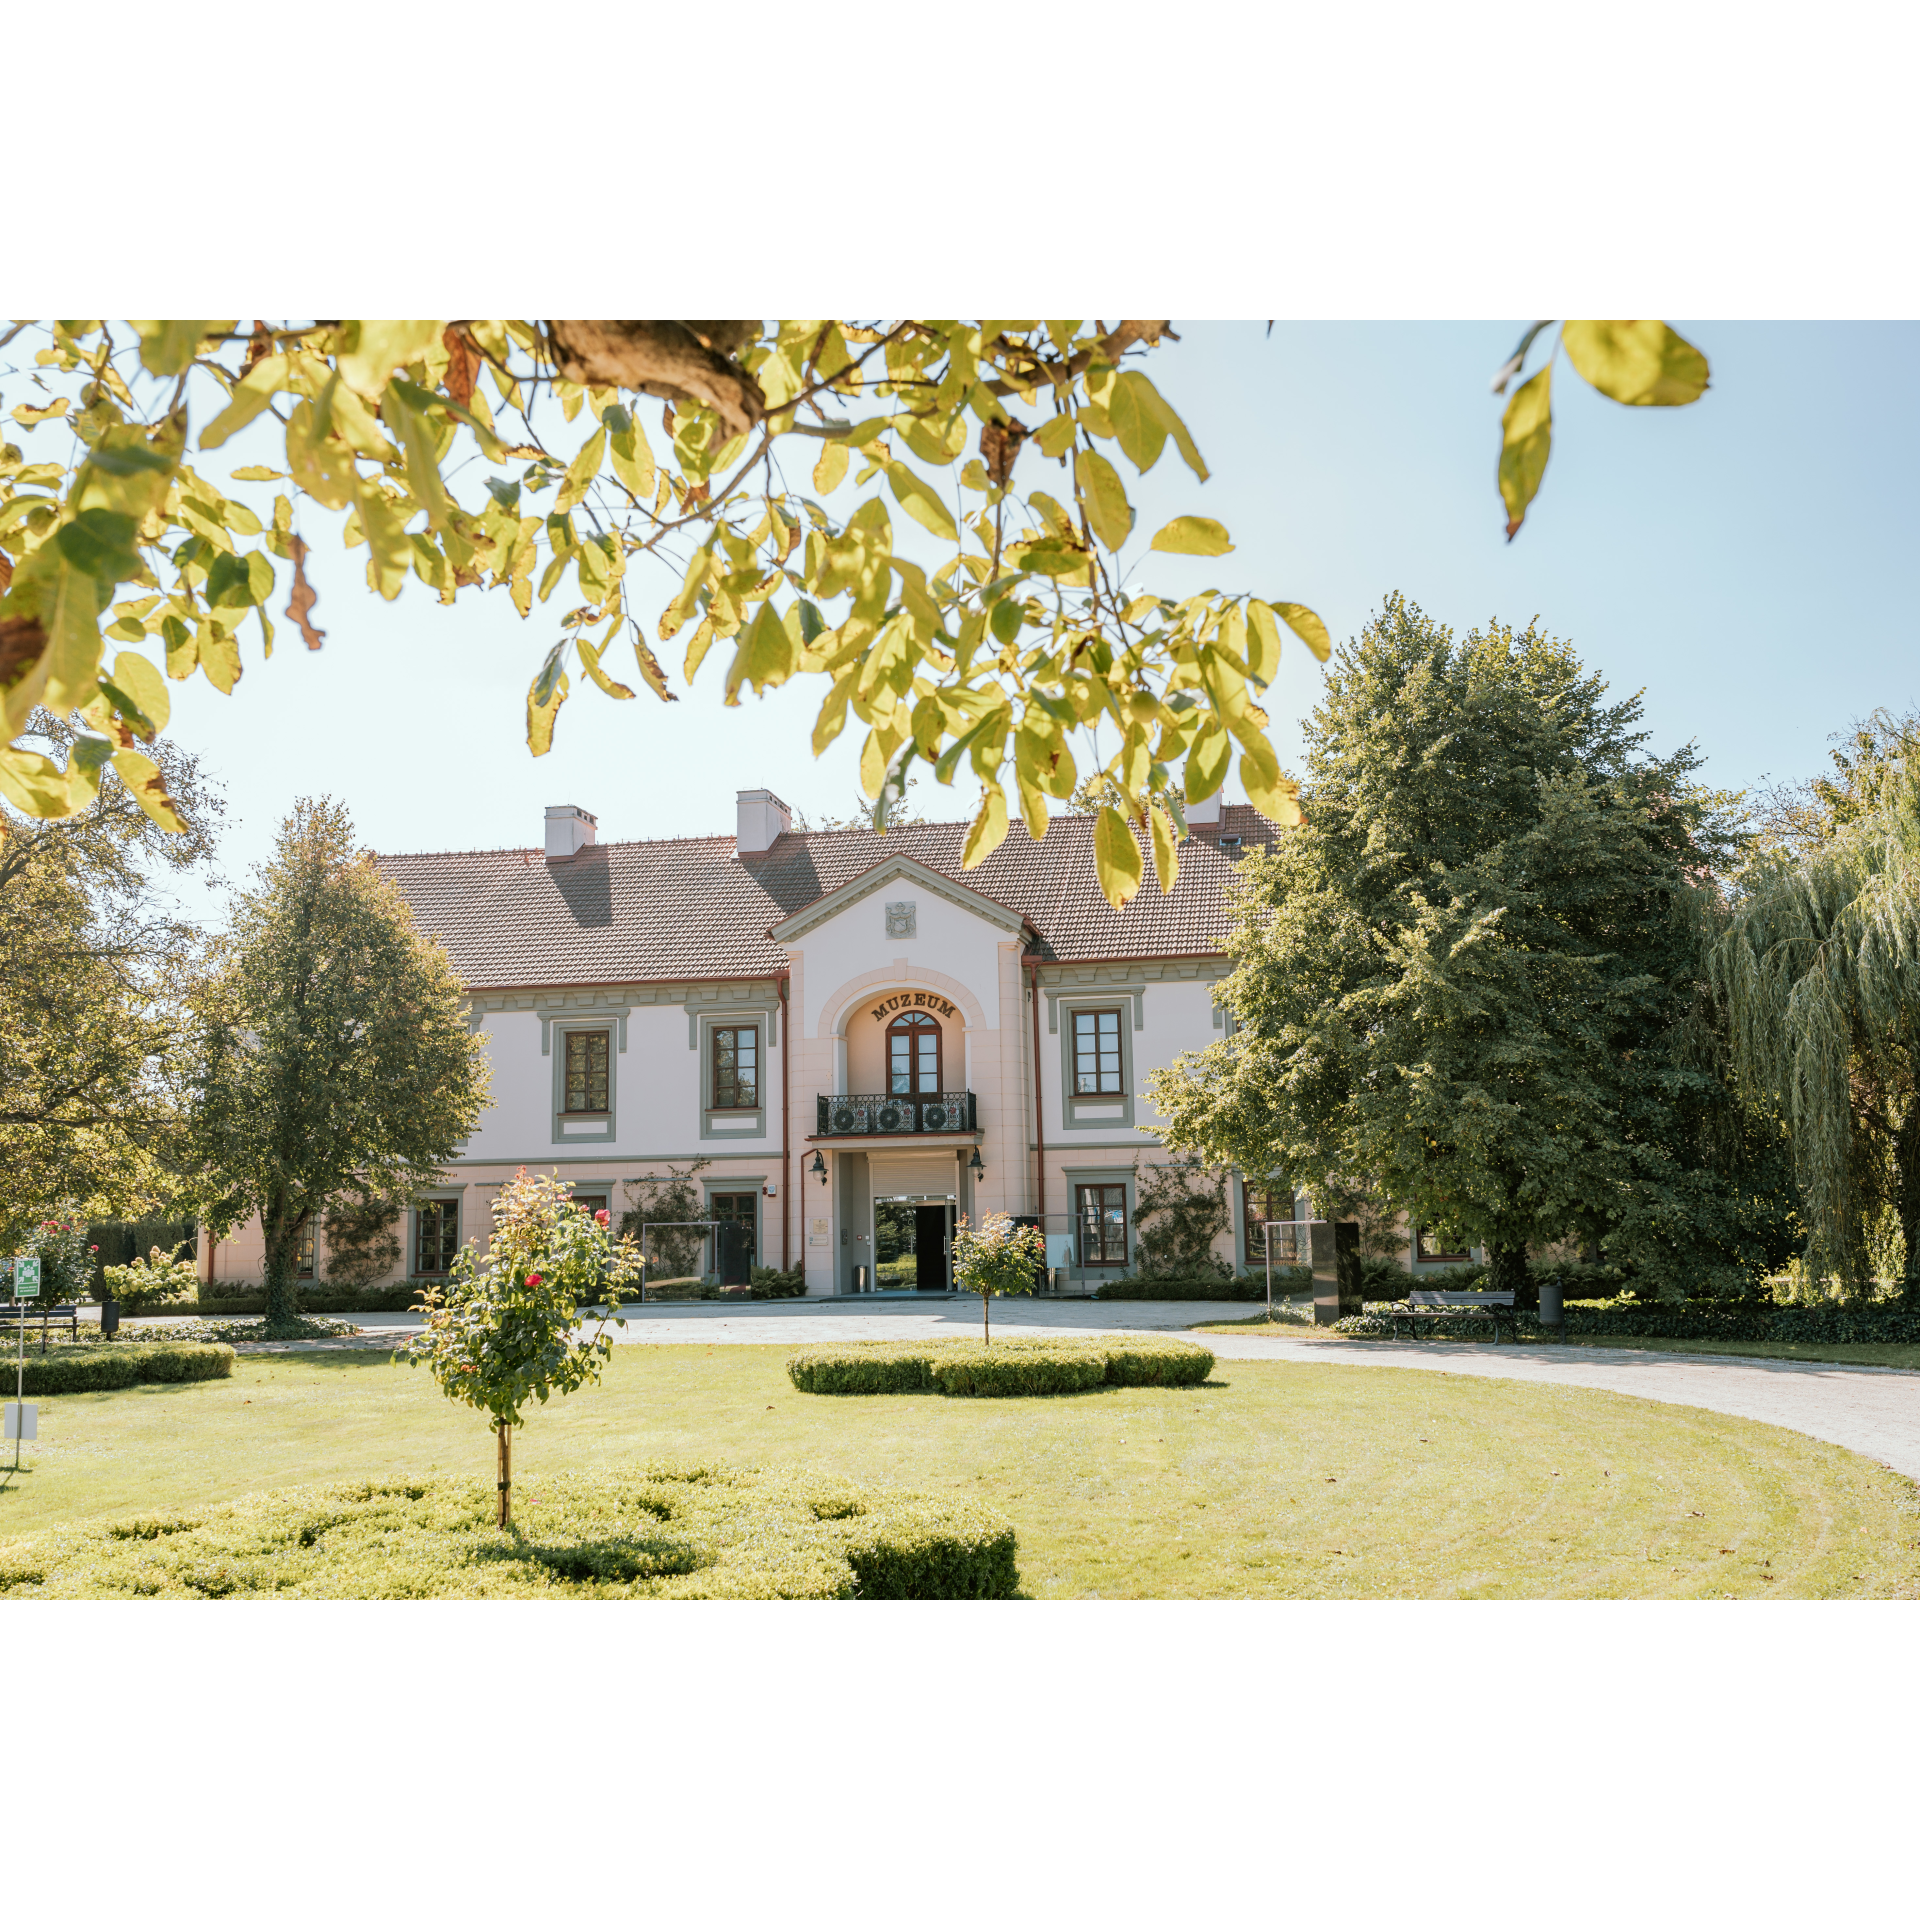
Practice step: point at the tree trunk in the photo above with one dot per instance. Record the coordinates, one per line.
(282, 1269)
(1509, 1269)
(503, 1473)
(986, 1332)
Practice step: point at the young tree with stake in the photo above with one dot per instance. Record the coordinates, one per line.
(997, 1256)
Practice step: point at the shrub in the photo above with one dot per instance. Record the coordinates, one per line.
(1009, 1370)
(657, 1533)
(153, 1279)
(1254, 1287)
(1707, 1320)
(778, 1283)
(66, 1262)
(1180, 1211)
(105, 1369)
(1032, 1366)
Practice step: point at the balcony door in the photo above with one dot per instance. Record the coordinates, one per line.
(913, 1054)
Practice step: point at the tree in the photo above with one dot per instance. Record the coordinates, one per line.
(508, 1328)
(92, 999)
(1816, 965)
(997, 1256)
(1469, 980)
(332, 1055)
(1028, 632)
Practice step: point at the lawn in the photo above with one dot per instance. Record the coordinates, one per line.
(1857, 1354)
(1269, 1481)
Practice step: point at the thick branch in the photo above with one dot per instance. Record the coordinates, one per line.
(683, 360)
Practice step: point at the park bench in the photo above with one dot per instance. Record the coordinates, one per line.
(1429, 1310)
(12, 1310)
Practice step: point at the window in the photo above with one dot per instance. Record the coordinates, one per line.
(913, 1054)
(436, 1237)
(304, 1266)
(736, 1066)
(734, 1247)
(586, 1090)
(1103, 1225)
(1096, 1052)
(1429, 1245)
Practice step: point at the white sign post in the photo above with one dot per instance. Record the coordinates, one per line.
(26, 1286)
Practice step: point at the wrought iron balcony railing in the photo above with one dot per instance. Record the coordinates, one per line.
(896, 1113)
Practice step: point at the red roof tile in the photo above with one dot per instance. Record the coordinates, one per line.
(642, 910)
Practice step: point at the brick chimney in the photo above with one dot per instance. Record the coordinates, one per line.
(760, 819)
(568, 830)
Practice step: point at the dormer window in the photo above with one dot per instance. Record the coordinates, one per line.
(913, 1054)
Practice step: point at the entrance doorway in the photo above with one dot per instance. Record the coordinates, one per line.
(733, 1243)
(912, 1244)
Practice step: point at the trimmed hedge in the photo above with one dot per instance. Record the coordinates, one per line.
(656, 1533)
(103, 1369)
(1006, 1368)
(1252, 1287)
(1703, 1320)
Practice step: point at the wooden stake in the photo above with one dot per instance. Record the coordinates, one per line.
(504, 1470)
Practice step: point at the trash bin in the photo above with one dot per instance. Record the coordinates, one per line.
(862, 1280)
(109, 1316)
(1552, 1296)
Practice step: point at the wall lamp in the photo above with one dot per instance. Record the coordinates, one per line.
(976, 1166)
(820, 1167)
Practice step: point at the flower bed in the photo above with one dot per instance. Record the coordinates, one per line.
(1012, 1366)
(659, 1533)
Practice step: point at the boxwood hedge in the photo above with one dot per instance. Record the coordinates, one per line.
(100, 1369)
(1009, 1366)
(661, 1532)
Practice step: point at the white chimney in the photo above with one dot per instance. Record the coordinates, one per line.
(568, 830)
(760, 819)
(1204, 813)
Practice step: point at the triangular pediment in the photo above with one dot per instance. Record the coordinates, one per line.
(895, 870)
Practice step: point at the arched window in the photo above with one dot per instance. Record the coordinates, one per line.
(913, 1054)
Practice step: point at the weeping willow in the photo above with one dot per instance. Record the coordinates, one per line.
(1818, 968)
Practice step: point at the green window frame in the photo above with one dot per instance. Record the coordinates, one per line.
(436, 1238)
(1097, 1058)
(1100, 1212)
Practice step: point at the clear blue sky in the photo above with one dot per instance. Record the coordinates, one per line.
(1748, 561)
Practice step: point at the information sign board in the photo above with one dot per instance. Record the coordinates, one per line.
(26, 1276)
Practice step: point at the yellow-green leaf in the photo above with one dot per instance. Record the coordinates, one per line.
(250, 398)
(168, 347)
(581, 472)
(144, 782)
(1136, 420)
(1640, 363)
(833, 714)
(34, 784)
(831, 468)
(542, 712)
(1056, 436)
(32, 416)
(1116, 857)
(141, 681)
(1164, 415)
(764, 654)
(590, 659)
(1307, 625)
(630, 454)
(1104, 499)
(219, 656)
(376, 347)
(1263, 642)
(1207, 762)
(1166, 861)
(989, 826)
(921, 502)
(1526, 438)
(1267, 787)
(1191, 534)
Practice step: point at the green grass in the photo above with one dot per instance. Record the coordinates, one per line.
(1269, 1481)
(1857, 1354)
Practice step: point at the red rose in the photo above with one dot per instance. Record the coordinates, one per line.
(602, 1217)
(533, 1279)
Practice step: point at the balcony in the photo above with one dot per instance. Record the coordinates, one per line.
(895, 1113)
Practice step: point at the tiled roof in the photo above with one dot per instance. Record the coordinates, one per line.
(641, 910)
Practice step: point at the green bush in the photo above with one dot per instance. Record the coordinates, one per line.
(1707, 1320)
(778, 1283)
(655, 1533)
(104, 1368)
(225, 1296)
(1020, 1365)
(1005, 1371)
(1253, 1287)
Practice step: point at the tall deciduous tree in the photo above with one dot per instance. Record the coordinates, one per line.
(1818, 967)
(999, 660)
(92, 975)
(333, 1055)
(1469, 980)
